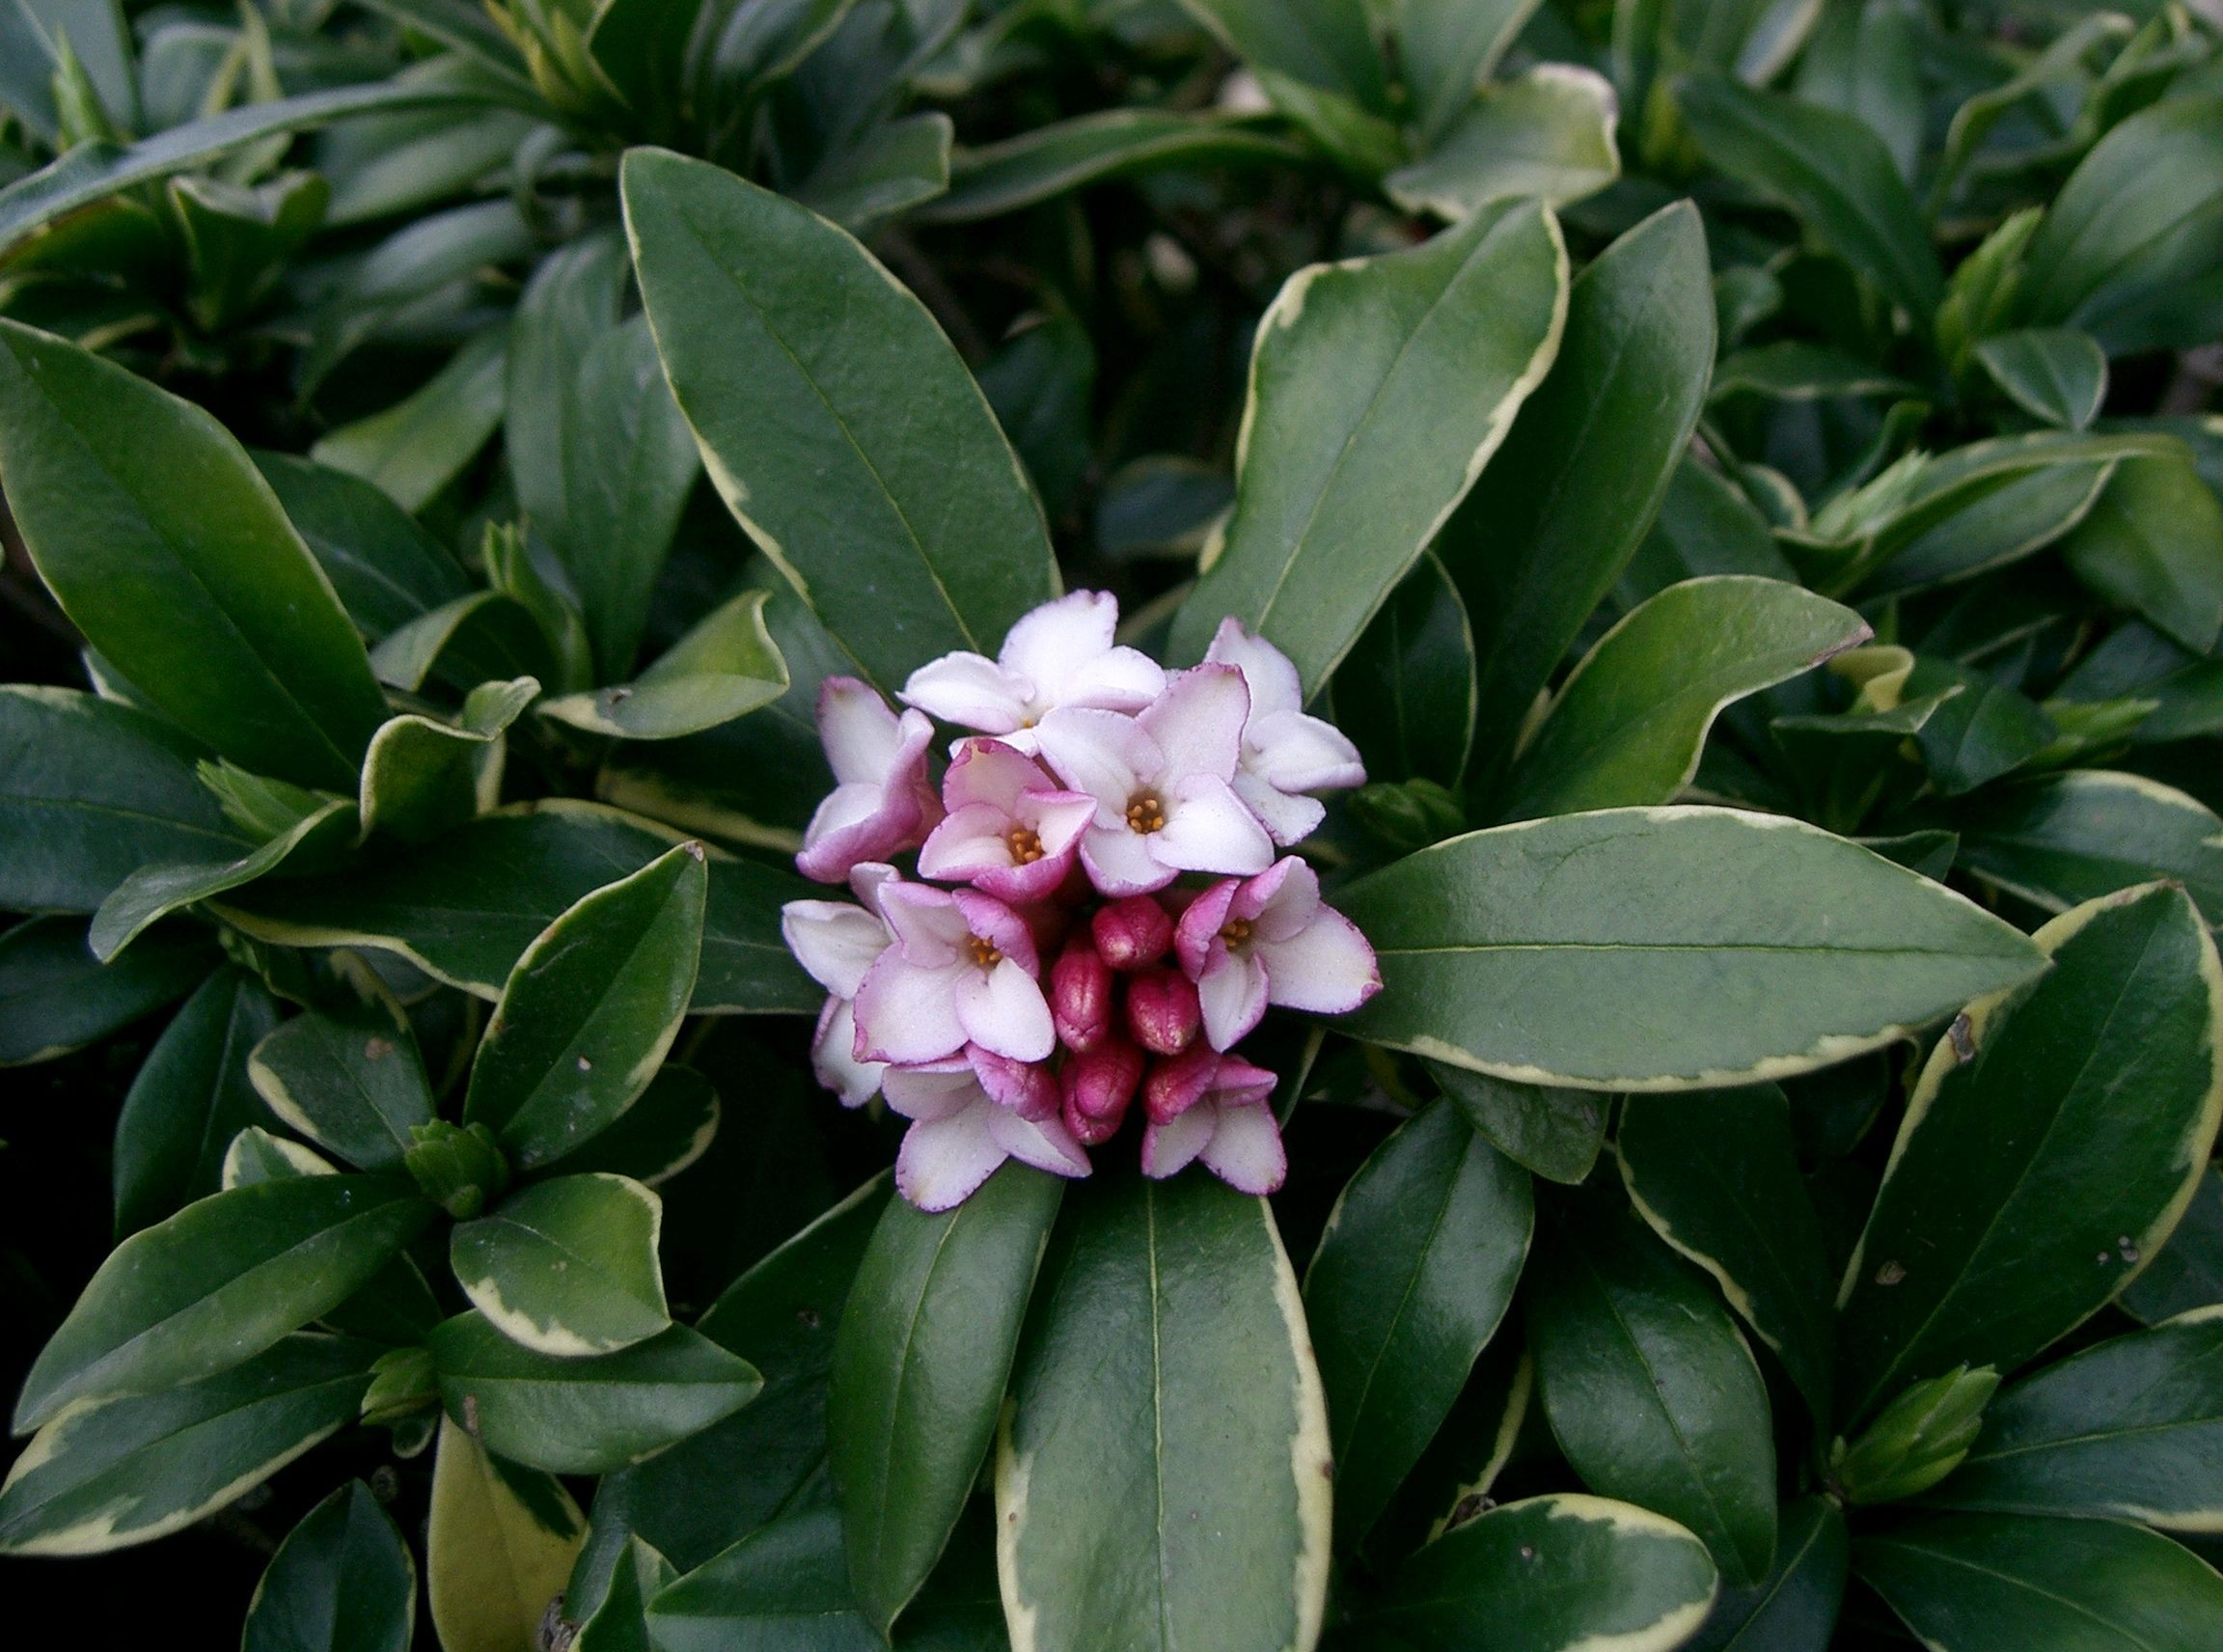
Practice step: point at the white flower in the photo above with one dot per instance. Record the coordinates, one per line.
(838, 944)
(1060, 655)
(1271, 939)
(1285, 753)
(959, 1133)
(1203, 1105)
(963, 970)
(882, 802)
(1009, 830)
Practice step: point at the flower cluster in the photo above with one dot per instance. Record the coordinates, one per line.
(1100, 910)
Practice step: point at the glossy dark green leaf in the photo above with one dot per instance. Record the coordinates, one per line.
(1037, 165)
(2058, 375)
(588, 1414)
(348, 1078)
(783, 1589)
(1378, 391)
(575, 297)
(90, 791)
(812, 379)
(415, 448)
(1411, 1281)
(1986, 731)
(487, 636)
(1550, 1574)
(2063, 838)
(620, 1622)
(1629, 726)
(889, 169)
(724, 668)
(104, 1474)
(1447, 47)
(423, 775)
(465, 909)
(589, 1010)
(1555, 1133)
(1706, 526)
(342, 1581)
(1559, 509)
(1796, 1606)
(1716, 1176)
(217, 1283)
(2132, 1429)
(188, 1100)
(1993, 1583)
(1327, 44)
(1406, 691)
(1548, 134)
(1474, 1445)
(2188, 1272)
(498, 1547)
(56, 997)
(2054, 1141)
(1792, 370)
(1733, 946)
(660, 1135)
(2154, 542)
(386, 570)
(1827, 168)
(568, 1267)
(919, 1373)
(166, 547)
(154, 892)
(1163, 1478)
(1651, 1390)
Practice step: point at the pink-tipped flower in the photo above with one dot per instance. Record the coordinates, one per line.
(1271, 940)
(1202, 1105)
(882, 802)
(1081, 994)
(1163, 1011)
(1097, 1087)
(1161, 782)
(961, 971)
(1133, 933)
(838, 944)
(1009, 830)
(1059, 654)
(959, 1135)
(1285, 754)
(1027, 1088)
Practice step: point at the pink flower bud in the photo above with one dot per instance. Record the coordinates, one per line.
(1025, 1088)
(1133, 933)
(1163, 1011)
(1081, 994)
(1098, 1084)
(1179, 1083)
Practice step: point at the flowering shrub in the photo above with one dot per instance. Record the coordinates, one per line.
(1480, 736)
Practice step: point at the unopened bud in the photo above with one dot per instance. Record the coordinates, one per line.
(1179, 1083)
(1133, 933)
(402, 1380)
(460, 1167)
(1917, 1440)
(1098, 1086)
(1080, 988)
(1409, 815)
(1163, 1011)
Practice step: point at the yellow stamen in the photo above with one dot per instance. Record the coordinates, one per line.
(1025, 846)
(985, 953)
(1235, 932)
(1146, 815)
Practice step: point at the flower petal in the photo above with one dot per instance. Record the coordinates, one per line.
(942, 1162)
(1000, 926)
(970, 691)
(925, 922)
(1271, 676)
(1245, 1150)
(1168, 1147)
(835, 942)
(972, 838)
(1043, 1142)
(1280, 900)
(833, 1054)
(860, 733)
(1234, 993)
(1002, 1010)
(1197, 723)
(1100, 753)
(1119, 861)
(1057, 818)
(1053, 640)
(1119, 680)
(1209, 830)
(1193, 937)
(932, 1090)
(993, 772)
(1025, 1088)
(906, 1013)
(1292, 752)
(1327, 966)
(1288, 818)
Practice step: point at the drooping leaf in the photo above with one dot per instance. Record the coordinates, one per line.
(153, 893)
(2054, 1139)
(1733, 946)
(342, 1581)
(568, 1267)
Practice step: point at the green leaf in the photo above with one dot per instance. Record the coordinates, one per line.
(223, 1279)
(589, 1010)
(1650, 1391)
(1991, 1583)
(1562, 505)
(104, 1474)
(1630, 724)
(1716, 1176)
(2154, 542)
(1378, 389)
(919, 1373)
(1798, 1606)
(2058, 375)
(498, 1549)
(589, 1415)
(724, 668)
(621, 1623)
(1551, 1574)
(1445, 48)
(890, 168)
(56, 997)
(417, 446)
(660, 1135)
(1327, 44)
(2063, 838)
(1831, 172)
(1792, 370)
(188, 1099)
(1412, 1275)
(154, 892)
(422, 776)
(1733, 946)
(576, 296)
(164, 544)
(1050, 160)
(256, 1156)
(1406, 691)
(32, 39)
(1986, 731)
(568, 1266)
(1448, 1485)
(96, 170)
(2055, 1137)
(386, 570)
(1555, 1133)
(1865, 57)
(342, 1581)
(1548, 134)
(2188, 1274)
(1162, 1479)
(812, 379)
(2132, 1429)
(90, 791)
(1706, 526)
(466, 908)
(2139, 220)
(487, 636)
(783, 1586)
(349, 1077)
